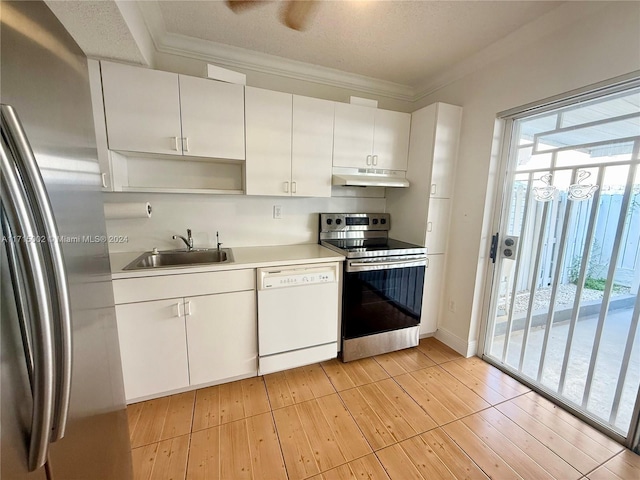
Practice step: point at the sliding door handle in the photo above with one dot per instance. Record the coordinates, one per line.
(17, 209)
(55, 269)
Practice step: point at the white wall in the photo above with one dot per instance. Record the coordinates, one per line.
(600, 46)
(241, 220)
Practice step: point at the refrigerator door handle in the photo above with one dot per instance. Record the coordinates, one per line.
(56, 271)
(16, 206)
(23, 303)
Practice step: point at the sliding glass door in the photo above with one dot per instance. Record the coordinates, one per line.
(564, 305)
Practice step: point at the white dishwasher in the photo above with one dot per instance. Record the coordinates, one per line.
(298, 308)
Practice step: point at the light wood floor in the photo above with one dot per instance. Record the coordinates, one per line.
(422, 413)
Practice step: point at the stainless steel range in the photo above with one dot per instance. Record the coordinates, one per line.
(383, 283)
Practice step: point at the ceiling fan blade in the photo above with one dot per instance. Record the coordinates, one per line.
(297, 14)
(238, 6)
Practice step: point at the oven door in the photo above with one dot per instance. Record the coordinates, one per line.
(382, 295)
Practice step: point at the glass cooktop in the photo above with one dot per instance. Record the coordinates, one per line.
(373, 247)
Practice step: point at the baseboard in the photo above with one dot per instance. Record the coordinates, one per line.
(463, 347)
(428, 334)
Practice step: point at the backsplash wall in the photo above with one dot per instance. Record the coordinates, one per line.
(241, 220)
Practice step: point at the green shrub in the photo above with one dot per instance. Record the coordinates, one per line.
(595, 283)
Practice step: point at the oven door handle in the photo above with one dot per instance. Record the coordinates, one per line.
(354, 266)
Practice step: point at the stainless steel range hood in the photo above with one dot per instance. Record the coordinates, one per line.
(369, 177)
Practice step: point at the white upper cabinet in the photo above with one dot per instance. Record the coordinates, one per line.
(212, 118)
(366, 137)
(312, 147)
(391, 140)
(142, 109)
(445, 150)
(95, 84)
(353, 135)
(268, 141)
(150, 111)
(289, 143)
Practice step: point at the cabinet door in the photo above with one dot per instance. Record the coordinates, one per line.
(312, 147)
(353, 135)
(437, 225)
(432, 293)
(100, 127)
(391, 140)
(268, 140)
(152, 347)
(445, 150)
(142, 109)
(212, 118)
(221, 336)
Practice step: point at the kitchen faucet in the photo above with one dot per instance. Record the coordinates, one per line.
(188, 241)
(218, 241)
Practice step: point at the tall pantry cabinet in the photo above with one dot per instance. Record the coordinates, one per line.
(420, 214)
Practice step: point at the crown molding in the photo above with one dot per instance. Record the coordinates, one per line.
(154, 21)
(235, 57)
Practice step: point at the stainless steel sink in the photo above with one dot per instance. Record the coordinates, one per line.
(180, 258)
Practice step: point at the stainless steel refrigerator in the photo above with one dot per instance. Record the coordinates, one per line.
(63, 414)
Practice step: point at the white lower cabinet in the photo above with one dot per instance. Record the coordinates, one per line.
(168, 345)
(221, 336)
(433, 282)
(152, 347)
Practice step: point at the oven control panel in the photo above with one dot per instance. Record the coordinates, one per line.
(332, 222)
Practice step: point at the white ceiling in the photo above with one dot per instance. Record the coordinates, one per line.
(108, 38)
(405, 42)
(397, 49)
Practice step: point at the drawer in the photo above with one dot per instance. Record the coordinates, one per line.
(130, 290)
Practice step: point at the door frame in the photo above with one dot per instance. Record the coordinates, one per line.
(504, 130)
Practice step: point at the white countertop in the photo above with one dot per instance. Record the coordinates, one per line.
(244, 257)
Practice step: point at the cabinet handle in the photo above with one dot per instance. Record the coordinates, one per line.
(175, 144)
(368, 159)
(185, 144)
(286, 187)
(434, 188)
(179, 314)
(375, 160)
(429, 226)
(103, 176)
(294, 187)
(188, 308)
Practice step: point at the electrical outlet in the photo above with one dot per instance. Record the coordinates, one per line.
(452, 306)
(277, 212)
